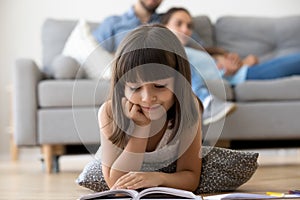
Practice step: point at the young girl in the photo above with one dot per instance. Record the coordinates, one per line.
(235, 70)
(151, 125)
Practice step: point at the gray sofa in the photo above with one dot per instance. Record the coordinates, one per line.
(54, 113)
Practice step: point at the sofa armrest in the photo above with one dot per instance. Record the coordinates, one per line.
(26, 76)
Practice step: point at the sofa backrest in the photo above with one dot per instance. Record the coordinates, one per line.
(54, 36)
(56, 32)
(204, 28)
(262, 36)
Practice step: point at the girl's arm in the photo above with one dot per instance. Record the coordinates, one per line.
(188, 169)
(186, 177)
(115, 161)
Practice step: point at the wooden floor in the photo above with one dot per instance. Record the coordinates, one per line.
(25, 179)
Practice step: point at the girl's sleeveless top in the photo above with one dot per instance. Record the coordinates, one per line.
(164, 155)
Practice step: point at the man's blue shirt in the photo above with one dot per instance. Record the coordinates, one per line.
(113, 29)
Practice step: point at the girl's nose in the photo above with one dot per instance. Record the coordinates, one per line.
(148, 95)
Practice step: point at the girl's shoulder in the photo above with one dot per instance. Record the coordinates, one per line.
(199, 104)
(105, 109)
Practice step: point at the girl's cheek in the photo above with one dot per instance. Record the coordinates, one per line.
(131, 96)
(128, 93)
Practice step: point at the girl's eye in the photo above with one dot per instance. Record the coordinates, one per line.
(160, 86)
(134, 88)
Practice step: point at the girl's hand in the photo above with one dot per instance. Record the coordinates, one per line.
(137, 180)
(135, 113)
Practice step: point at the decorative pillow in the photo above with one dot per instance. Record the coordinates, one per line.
(222, 170)
(65, 67)
(83, 47)
(225, 169)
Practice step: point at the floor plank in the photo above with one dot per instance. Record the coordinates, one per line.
(25, 179)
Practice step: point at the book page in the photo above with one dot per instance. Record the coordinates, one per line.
(111, 194)
(153, 193)
(165, 192)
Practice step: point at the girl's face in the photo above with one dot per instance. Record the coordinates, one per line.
(154, 98)
(181, 22)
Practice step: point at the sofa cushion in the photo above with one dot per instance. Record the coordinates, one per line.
(83, 47)
(262, 36)
(68, 126)
(282, 89)
(221, 89)
(72, 93)
(204, 28)
(54, 36)
(65, 67)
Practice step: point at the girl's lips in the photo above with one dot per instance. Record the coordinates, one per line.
(150, 108)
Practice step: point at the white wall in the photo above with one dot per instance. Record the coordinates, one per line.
(21, 22)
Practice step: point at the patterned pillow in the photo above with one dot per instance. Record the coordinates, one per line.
(225, 169)
(222, 170)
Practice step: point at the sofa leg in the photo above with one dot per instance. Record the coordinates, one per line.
(51, 154)
(223, 143)
(48, 154)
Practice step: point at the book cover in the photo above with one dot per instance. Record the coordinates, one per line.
(249, 196)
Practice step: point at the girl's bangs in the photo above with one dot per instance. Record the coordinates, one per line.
(147, 65)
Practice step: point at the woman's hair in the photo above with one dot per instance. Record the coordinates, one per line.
(165, 18)
(152, 52)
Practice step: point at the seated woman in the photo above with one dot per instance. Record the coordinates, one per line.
(230, 65)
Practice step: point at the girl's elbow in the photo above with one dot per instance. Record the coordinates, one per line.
(195, 185)
(110, 183)
(195, 182)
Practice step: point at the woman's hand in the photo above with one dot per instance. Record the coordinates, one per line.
(137, 180)
(250, 60)
(230, 63)
(135, 113)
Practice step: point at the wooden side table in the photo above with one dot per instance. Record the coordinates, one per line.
(14, 151)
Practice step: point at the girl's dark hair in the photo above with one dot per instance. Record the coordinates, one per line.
(167, 15)
(154, 53)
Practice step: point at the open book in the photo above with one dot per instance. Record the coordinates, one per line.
(153, 193)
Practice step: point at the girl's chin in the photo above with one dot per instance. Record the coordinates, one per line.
(156, 115)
